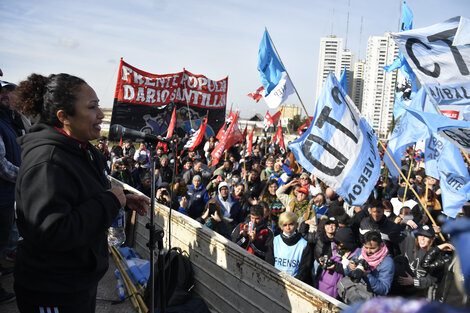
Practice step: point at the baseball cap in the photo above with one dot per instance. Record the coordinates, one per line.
(7, 85)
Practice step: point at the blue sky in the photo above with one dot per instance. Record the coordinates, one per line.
(214, 38)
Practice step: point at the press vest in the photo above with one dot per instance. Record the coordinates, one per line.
(287, 258)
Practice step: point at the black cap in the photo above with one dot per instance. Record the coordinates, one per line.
(331, 220)
(426, 231)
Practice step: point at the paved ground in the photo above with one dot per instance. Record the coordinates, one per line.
(106, 289)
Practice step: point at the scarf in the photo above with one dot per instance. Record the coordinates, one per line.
(375, 259)
(300, 207)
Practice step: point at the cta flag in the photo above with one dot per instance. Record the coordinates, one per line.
(274, 78)
(339, 147)
(196, 137)
(440, 60)
(257, 95)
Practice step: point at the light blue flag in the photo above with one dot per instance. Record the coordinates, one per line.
(343, 81)
(454, 179)
(406, 86)
(269, 66)
(407, 132)
(273, 75)
(339, 147)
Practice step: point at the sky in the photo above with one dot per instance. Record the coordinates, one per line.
(87, 38)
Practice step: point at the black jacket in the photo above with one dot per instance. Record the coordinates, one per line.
(64, 211)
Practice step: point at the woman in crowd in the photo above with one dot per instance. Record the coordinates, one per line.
(299, 204)
(274, 203)
(369, 276)
(415, 267)
(289, 252)
(212, 218)
(65, 203)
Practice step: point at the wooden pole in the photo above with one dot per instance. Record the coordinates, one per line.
(408, 178)
(414, 191)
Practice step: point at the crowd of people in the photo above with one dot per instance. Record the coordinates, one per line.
(294, 221)
(264, 202)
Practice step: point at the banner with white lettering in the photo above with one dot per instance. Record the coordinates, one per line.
(145, 101)
(441, 60)
(340, 147)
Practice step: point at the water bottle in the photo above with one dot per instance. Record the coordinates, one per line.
(120, 289)
(116, 233)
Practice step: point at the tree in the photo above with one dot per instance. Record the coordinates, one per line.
(295, 123)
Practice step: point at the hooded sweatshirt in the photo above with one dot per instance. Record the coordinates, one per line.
(64, 211)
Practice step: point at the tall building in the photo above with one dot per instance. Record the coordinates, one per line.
(379, 86)
(358, 83)
(334, 58)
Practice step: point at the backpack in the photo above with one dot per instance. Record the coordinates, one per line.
(178, 282)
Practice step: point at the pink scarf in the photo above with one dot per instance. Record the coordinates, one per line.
(375, 259)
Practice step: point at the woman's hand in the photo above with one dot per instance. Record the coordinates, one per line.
(216, 217)
(446, 247)
(137, 203)
(119, 193)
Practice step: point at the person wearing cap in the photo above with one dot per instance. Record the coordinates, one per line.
(11, 127)
(299, 204)
(343, 249)
(416, 266)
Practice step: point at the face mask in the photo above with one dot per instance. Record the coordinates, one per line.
(235, 179)
(387, 214)
(407, 218)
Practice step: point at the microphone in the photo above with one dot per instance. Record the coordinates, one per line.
(119, 131)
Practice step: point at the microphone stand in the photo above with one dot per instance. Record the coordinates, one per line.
(155, 236)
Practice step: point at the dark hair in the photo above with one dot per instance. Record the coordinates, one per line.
(376, 204)
(44, 96)
(373, 236)
(257, 210)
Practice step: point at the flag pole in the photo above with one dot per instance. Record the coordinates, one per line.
(295, 89)
(411, 188)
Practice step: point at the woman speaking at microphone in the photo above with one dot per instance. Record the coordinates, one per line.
(65, 203)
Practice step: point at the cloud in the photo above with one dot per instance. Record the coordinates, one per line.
(68, 42)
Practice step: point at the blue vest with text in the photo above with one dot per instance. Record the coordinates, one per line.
(287, 258)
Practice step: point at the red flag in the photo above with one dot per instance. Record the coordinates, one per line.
(244, 133)
(196, 137)
(229, 138)
(258, 94)
(268, 121)
(226, 125)
(120, 142)
(250, 143)
(172, 125)
(305, 126)
(279, 139)
(275, 118)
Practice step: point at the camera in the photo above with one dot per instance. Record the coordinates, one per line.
(327, 262)
(361, 266)
(212, 208)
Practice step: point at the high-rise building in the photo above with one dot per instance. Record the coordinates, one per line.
(358, 83)
(379, 86)
(333, 58)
